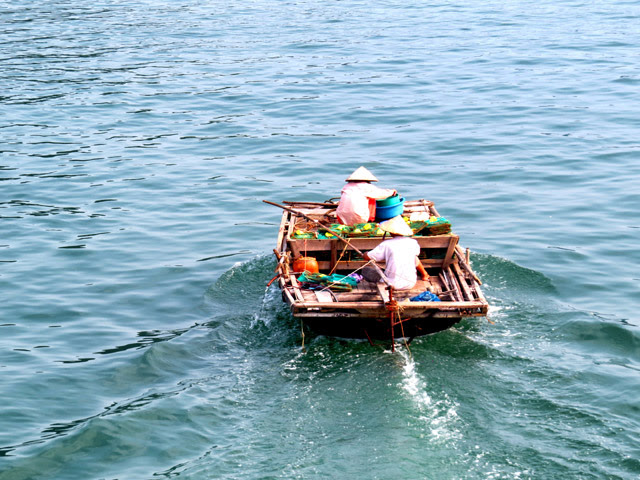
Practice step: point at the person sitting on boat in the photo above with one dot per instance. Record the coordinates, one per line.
(400, 253)
(358, 198)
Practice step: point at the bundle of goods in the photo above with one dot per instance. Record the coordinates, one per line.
(433, 226)
(358, 230)
(334, 228)
(336, 282)
(370, 229)
(323, 233)
(303, 234)
(425, 296)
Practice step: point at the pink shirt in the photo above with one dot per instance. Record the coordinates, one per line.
(354, 201)
(400, 253)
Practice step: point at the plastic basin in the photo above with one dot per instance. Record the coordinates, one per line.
(389, 211)
(386, 202)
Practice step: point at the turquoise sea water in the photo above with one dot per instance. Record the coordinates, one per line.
(138, 339)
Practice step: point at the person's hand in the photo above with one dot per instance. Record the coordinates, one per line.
(425, 277)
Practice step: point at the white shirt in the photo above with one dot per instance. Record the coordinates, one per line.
(400, 253)
(354, 201)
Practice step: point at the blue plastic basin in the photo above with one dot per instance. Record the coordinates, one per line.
(387, 202)
(389, 211)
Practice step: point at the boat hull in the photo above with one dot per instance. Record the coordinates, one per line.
(377, 328)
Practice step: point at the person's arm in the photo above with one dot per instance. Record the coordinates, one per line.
(423, 273)
(373, 191)
(377, 254)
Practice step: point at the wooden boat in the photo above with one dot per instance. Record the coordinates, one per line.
(373, 310)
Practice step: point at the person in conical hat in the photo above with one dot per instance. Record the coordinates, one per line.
(358, 198)
(400, 253)
(396, 226)
(361, 174)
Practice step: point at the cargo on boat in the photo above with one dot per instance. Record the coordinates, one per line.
(319, 266)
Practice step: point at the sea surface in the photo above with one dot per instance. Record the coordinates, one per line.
(138, 338)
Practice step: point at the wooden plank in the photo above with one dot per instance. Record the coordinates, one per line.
(295, 250)
(383, 292)
(466, 266)
(381, 314)
(368, 243)
(280, 243)
(418, 203)
(334, 254)
(440, 305)
(462, 281)
(450, 249)
(454, 284)
(404, 304)
(296, 288)
(417, 206)
(290, 227)
(285, 290)
(453, 288)
(437, 241)
(350, 266)
(446, 286)
(479, 293)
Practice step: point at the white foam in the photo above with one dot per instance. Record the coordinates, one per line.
(439, 415)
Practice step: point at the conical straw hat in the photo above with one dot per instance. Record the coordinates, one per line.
(363, 175)
(397, 225)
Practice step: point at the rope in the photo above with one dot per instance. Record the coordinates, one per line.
(395, 314)
(406, 344)
(348, 242)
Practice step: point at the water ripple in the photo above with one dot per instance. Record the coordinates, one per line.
(138, 141)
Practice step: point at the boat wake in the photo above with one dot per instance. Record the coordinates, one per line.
(439, 416)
